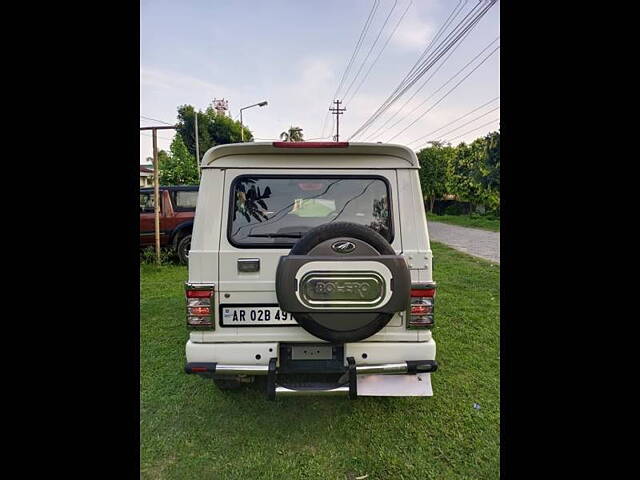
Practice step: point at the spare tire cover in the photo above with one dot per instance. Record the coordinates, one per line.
(343, 240)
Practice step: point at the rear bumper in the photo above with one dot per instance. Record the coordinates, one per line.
(364, 358)
(347, 385)
(259, 353)
(408, 367)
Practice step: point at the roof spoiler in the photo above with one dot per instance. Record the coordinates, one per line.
(310, 144)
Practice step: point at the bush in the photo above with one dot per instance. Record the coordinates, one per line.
(492, 214)
(462, 208)
(167, 256)
(454, 209)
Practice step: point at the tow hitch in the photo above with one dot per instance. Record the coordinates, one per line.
(347, 384)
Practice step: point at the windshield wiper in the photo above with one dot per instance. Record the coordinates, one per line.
(276, 235)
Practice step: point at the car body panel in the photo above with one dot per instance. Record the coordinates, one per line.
(172, 221)
(214, 259)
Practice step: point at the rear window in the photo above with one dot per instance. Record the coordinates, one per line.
(277, 211)
(147, 205)
(185, 200)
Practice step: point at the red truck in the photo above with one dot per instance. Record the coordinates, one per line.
(177, 209)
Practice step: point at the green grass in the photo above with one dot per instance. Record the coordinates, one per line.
(189, 429)
(476, 221)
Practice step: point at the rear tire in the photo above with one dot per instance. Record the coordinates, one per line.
(328, 325)
(183, 247)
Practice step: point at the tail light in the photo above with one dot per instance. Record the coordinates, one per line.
(200, 305)
(422, 304)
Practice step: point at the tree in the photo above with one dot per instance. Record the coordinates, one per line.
(464, 179)
(475, 171)
(434, 171)
(491, 179)
(163, 157)
(178, 167)
(213, 129)
(294, 134)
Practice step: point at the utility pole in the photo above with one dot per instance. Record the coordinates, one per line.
(156, 184)
(197, 144)
(241, 128)
(337, 111)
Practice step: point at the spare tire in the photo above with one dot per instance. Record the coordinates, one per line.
(342, 282)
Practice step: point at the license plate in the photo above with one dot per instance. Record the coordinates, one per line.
(262, 316)
(418, 385)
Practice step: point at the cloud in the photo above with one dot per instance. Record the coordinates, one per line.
(414, 34)
(316, 71)
(303, 100)
(152, 77)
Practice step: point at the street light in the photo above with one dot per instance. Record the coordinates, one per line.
(261, 104)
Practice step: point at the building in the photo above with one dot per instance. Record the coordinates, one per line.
(146, 176)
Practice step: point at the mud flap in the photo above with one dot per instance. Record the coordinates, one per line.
(353, 378)
(418, 385)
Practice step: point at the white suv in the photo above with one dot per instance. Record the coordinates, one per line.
(312, 258)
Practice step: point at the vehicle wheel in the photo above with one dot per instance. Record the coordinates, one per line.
(184, 245)
(227, 383)
(334, 311)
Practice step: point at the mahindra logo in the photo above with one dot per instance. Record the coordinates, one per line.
(343, 247)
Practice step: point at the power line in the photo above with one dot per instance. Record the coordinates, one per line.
(477, 128)
(452, 16)
(156, 120)
(445, 135)
(419, 63)
(446, 94)
(454, 13)
(164, 138)
(356, 50)
(371, 49)
(370, 136)
(442, 48)
(441, 86)
(457, 33)
(363, 32)
(454, 121)
(324, 123)
(421, 87)
(353, 95)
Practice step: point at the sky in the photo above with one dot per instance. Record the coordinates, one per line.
(293, 54)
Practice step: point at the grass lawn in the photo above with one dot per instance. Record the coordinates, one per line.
(189, 429)
(467, 221)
